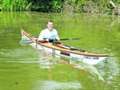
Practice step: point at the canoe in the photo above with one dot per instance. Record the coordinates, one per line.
(60, 49)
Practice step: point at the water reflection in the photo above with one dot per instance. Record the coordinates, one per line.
(55, 85)
(105, 72)
(23, 68)
(109, 70)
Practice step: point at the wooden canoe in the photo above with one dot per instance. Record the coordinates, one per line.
(62, 50)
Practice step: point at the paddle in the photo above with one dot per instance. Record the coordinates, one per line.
(74, 48)
(64, 39)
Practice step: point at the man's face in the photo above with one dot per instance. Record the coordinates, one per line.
(50, 25)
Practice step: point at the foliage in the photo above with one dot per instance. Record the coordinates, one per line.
(90, 6)
(47, 5)
(13, 5)
(57, 5)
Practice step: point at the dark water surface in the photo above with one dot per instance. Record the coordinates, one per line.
(24, 68)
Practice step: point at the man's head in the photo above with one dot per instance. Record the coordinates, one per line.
(50, 25)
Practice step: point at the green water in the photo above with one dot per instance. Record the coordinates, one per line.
(20, 68)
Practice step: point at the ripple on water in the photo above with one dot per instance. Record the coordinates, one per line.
(18, 54)
(55, 85)
(109, 70)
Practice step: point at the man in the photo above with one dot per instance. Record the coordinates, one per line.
(49, 34)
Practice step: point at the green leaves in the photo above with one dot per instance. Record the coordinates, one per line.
(93, 6)
(14, 5)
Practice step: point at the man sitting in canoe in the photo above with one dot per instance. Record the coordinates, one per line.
(49, 34)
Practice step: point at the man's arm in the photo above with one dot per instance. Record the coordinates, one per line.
(40, 37)
(57, 36)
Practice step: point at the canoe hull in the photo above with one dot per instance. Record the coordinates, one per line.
(89, 58)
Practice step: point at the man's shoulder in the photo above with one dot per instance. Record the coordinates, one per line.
(44, 30)
(54, 30)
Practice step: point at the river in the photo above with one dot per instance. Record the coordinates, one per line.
(24, 68)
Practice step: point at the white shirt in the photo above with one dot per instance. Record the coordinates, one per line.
(47, 34)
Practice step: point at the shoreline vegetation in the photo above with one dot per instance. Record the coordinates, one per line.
(71, 6)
